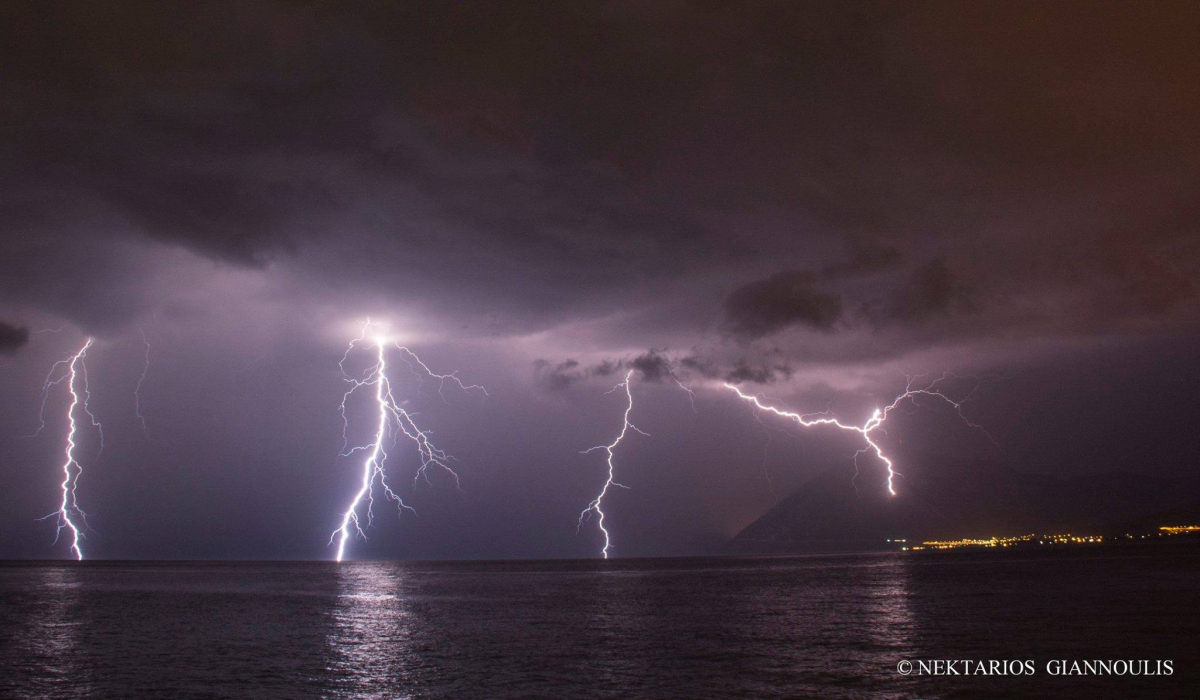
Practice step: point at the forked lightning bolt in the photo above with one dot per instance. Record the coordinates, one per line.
(393, 419)
(597, 503)
(873, 423)
(69, 511)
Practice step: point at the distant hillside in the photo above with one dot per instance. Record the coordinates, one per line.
(828, 513)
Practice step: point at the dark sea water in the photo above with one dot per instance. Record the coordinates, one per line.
(827, 626)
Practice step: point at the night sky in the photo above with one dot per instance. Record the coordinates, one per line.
(811, 200)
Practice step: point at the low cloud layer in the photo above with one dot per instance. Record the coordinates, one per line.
(782, 300)
(12, 338)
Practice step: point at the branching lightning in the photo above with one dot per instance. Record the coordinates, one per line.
(410, 357)
(597, 503)
(691, 394)
(874, 423)
(73, 368)
(393, 419)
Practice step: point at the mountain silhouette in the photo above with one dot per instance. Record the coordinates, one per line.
(839, 511)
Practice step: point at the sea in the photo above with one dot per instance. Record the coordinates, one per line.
(788, 627)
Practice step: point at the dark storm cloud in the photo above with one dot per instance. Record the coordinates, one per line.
(556, 376)
(271, 132)
(653, 366)
(784, 299)
(698, 364)
(932, 290)
(607, 368)
(797, 193)
(747, 372)
(12, 338)
(656, 366)
(795, 298)
(540, 164)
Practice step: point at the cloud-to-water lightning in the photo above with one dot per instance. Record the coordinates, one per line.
(69, 515)
(393, 419)
(873, 423)
(597, 503)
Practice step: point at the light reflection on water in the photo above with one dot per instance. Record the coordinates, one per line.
(890, 621)
(49, 636)
(370, 644)
(779, 627)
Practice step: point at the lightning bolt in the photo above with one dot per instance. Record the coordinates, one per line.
(410, 357)
(70, 364)
(873, 423)
(393, 420)
(75, 369)
(597, 503)
(691, 394)
(49, 330)
(137, 390)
